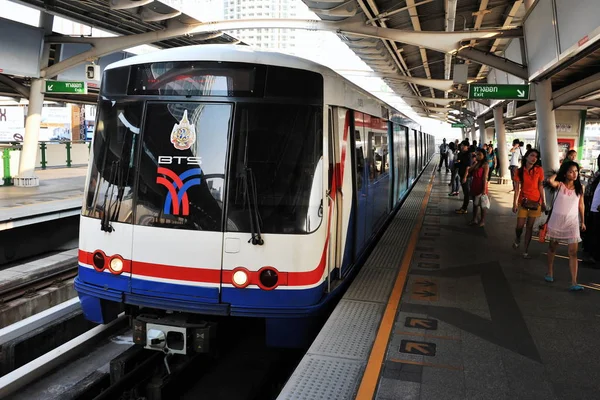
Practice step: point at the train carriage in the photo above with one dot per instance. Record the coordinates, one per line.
(225, 181)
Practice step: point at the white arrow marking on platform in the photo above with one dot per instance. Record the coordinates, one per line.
(520, 93)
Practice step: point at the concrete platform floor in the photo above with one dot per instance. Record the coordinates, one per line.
(59, 188)
(477, 321)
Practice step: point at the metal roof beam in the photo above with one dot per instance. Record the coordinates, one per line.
(22, 90)
(344, 10)
(435, 100)
(500, 63)
(507, 23)
(148, 15)
(127, 4)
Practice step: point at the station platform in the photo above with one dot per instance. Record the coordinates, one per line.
(59, 195)
(443, 310)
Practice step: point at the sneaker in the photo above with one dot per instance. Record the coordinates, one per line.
(515, 244)
(526, 256)
(460, 211)
(451, 194)
(455, 194)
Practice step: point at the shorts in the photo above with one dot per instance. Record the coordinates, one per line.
(525, 213)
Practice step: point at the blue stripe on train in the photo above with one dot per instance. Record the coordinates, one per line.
(247, 301)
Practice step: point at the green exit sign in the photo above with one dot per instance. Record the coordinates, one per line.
(498, 92)
(66, 87)
(458, 125)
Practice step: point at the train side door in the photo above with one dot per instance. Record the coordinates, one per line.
(177, 234)
(361, 183)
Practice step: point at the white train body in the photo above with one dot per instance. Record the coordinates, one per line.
(226, 181)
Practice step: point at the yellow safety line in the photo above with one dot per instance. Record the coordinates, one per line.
(368, 385)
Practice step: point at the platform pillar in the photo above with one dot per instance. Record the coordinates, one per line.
(580, 147)
(473, 133)
(481, 124)
(26, 175)
(502, 150)
(546, 125)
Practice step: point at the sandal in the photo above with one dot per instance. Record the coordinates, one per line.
(549, 278)
(575, 288)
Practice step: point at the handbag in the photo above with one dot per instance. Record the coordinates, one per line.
(485, 201)
(530, 204)
(544, 226)
(542, 233)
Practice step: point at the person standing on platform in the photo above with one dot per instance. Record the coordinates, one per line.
(463, 162)
(567, 218)
(529, 199)
(591, 240)
(515, 160)
(479, 185)
(491, 160)
(444, 155)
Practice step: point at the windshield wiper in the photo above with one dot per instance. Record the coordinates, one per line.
(252, 199)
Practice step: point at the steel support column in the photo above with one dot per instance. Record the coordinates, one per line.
(501, 140)
(473, 133)
(582, 118)
(546, 124)
(481, 124)
(26, 176)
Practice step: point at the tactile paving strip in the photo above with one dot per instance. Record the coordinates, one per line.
(323, 378)
(372, 284)
(350, 330)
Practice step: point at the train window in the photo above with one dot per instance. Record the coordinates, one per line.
(295, 83)
(197, 78)
(182, 165)
(276, 168)
(109, 188)
(115, 81)
(360, 158)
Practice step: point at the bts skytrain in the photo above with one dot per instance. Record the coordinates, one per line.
(225, 181)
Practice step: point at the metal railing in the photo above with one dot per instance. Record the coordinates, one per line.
(50, 154)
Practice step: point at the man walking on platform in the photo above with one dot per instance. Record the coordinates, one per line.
(444, 155)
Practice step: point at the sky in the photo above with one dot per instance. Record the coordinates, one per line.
(322, 47)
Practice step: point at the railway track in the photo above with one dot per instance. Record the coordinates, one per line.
(103, 363)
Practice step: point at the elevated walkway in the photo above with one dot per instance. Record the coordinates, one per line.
(443, 310)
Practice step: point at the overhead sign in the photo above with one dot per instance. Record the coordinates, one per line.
(459, 125)
(12, 124)
(66, 87)
(511, 109)
(498, 92)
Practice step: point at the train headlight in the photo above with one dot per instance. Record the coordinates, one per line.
(116, 265)
(240, 278)
(99, 260)
(268, 278)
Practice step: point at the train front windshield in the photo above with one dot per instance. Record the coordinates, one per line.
(207, 146)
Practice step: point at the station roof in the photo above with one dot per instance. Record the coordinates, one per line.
(436, 15)
(138, 16)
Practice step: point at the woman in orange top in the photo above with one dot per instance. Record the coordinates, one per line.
(529, 199)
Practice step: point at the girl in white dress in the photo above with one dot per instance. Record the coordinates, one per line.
(566, 219)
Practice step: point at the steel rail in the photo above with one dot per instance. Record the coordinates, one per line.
(17, 379)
